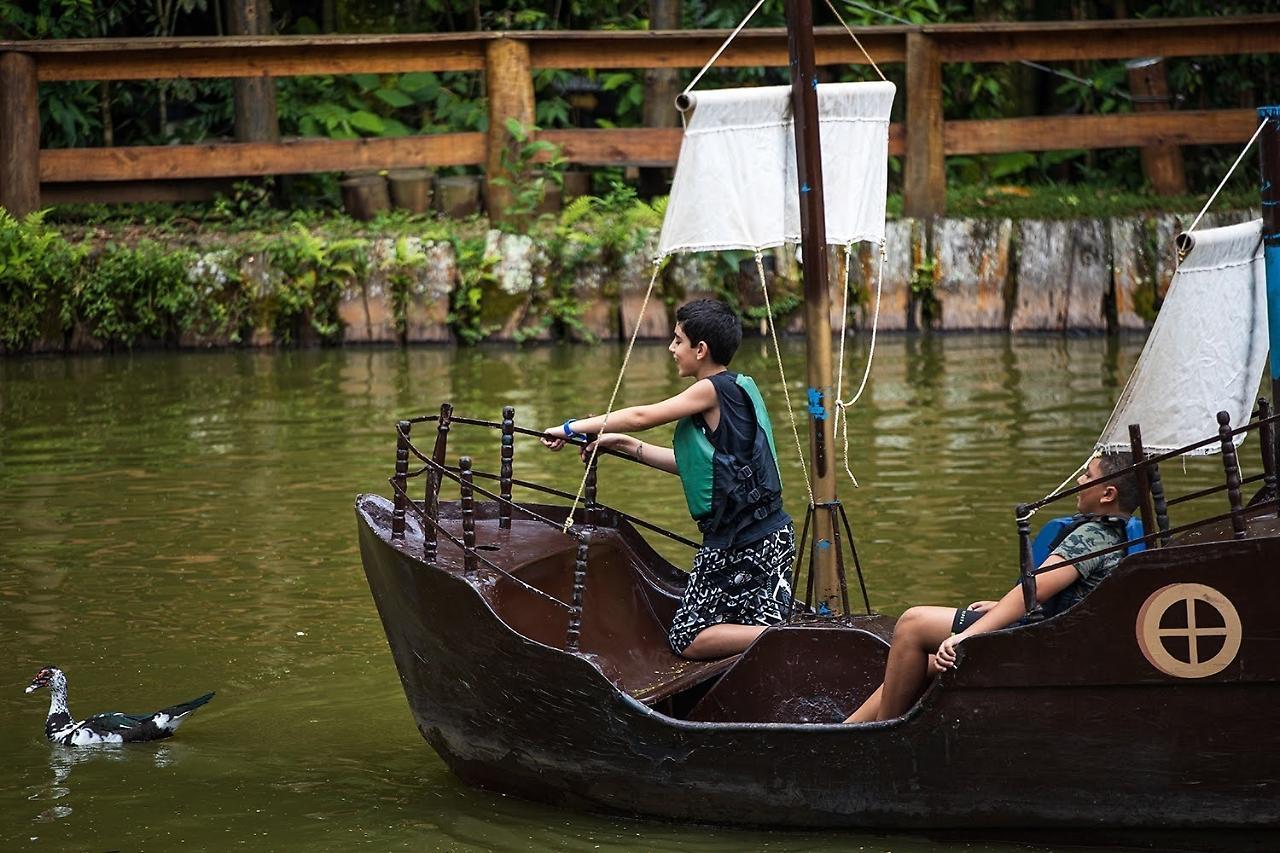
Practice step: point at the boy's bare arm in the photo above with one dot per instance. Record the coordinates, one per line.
(1010, 608)
(653, 455)
(698, 397)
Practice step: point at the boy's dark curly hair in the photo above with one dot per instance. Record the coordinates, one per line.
(712, 321)
(1128, 494)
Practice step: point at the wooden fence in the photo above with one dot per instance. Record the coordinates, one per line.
(509, 58)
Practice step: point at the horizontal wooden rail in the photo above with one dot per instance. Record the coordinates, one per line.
(24, 167)
(1121, 130)
(285, 56)
(232, 159)
(633, 146)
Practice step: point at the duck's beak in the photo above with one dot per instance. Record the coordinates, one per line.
(32, 688)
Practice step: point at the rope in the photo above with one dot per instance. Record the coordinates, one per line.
(626, 359)
(1059, 487)
(842, 416)
(855, 40)
(786, 392)
(1230, 172)
(1066, 75)
(723, 47)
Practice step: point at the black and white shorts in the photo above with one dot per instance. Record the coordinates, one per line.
(748, 585)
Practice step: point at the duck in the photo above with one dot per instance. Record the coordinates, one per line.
(112, 727)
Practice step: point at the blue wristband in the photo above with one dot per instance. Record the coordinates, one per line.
(568, 433)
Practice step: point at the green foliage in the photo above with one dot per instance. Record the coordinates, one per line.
(133, 293)
(476, 269)
(606, 230)
(314, 272)
(923, 280)
(401, 267)
(380, 105)
(37, 268)
(528, 166)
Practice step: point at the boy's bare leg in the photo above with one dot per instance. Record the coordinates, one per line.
(720, 641)
(868, 710)
(916, 636)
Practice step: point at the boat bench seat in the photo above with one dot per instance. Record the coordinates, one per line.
(798, 674)
(624, 616)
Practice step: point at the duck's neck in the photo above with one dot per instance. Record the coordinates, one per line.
(59, 713)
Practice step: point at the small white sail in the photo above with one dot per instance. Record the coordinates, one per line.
(1207, 350)
(735, 183)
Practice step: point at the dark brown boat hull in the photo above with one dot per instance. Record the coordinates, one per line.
(1062, 724)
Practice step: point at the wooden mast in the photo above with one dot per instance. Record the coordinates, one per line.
(1269, 146)
(817, 308)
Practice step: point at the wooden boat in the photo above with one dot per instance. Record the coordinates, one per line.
(535, 661)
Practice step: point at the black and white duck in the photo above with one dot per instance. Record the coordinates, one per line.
(112, 727)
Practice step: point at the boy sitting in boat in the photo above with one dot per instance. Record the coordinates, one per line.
(925, 638)
(724, 455)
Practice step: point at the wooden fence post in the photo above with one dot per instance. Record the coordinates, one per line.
(255, 97)
(1161, 164)
(19, 134)
(509, 84)
(924, 192)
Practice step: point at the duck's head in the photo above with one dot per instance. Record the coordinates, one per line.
(43, 678)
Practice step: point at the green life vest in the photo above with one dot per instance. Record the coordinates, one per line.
(695, 454)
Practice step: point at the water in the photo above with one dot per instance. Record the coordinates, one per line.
(176, 523)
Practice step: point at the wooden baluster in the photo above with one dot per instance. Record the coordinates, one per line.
(1267, 438)
(431, 504)
(468, 513)
(401, 496)
(579, 590)
(505, 473)
(1161, 504)
(1027, 571)
(1232, 466)
(1144, 480)
(590, 491)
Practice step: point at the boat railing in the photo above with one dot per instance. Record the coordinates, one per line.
(1155, 505)
(506, 479)
(436, 471)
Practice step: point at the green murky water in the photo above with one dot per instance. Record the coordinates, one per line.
(176, 523)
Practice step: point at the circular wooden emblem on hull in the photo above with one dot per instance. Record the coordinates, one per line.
(1188, 630)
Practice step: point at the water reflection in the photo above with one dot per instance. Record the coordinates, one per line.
(176, 523)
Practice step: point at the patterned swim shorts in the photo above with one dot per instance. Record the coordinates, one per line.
(748, 585)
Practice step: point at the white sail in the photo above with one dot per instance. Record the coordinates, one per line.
(1206, 351)
(735, 184)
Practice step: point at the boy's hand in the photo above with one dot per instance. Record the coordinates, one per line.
(553, 438)
(981, 606)
(606, 440)
(947, 651)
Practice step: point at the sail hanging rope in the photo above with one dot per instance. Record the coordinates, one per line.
(626, 359)
(1074, 474)
(1223, 183)
(723, 47)
(841, 424)
(782, 373)
(839, 18)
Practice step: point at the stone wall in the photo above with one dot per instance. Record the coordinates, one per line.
(953, 275)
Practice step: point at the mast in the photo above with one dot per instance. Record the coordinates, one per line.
(1269, 145)
(817, 307)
